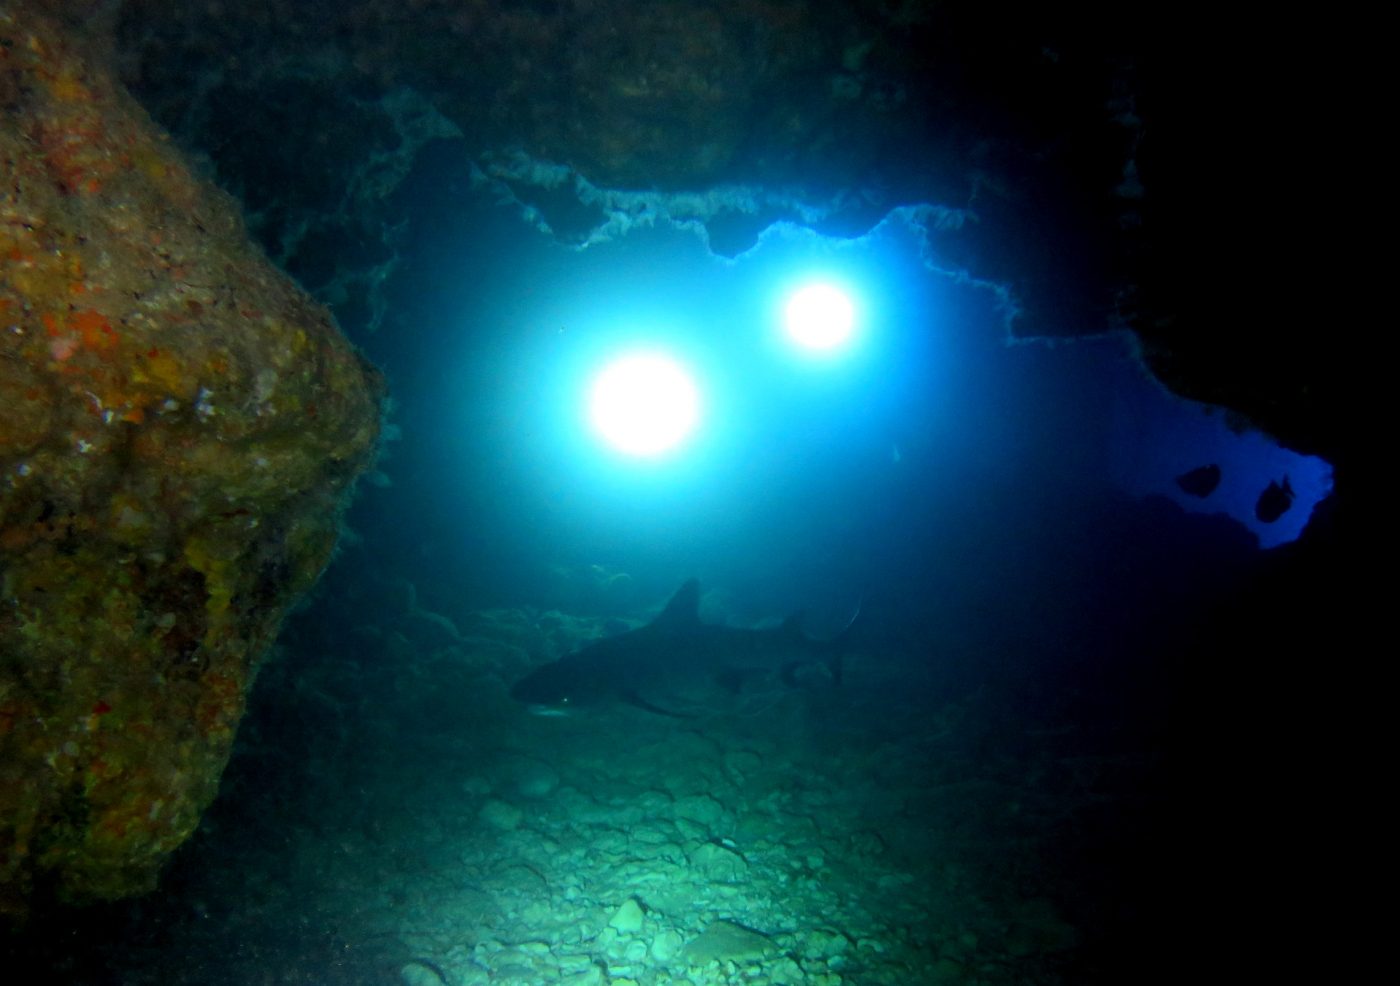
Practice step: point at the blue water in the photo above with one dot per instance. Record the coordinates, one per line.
(990, 794)
(932, 418)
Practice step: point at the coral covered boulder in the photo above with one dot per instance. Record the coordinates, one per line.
(179, 428)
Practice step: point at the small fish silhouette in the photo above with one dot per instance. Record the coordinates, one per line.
(1200, 481)
(1274, 501)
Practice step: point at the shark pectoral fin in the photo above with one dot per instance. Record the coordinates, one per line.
(798, 674)
(632, 698)
(730, 679)
(735, 680)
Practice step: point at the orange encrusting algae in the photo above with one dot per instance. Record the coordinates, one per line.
(182, 427)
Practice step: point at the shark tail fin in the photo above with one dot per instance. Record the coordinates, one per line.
(836, 664)
(841, 643)
(792, 671)
(832, 653)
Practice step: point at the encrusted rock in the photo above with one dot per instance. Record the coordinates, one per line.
(726, 941)
(718, 863)
(628, 918)
(529, 778)
(500, 815)
(181, 427)
(666, 946)
(703, 809)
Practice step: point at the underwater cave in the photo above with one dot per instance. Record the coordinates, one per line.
(659, 494)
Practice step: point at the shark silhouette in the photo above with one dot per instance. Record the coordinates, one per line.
(678, 666)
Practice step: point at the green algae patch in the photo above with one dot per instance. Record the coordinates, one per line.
(181, 428)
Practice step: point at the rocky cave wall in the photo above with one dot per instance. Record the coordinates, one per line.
(181, 426)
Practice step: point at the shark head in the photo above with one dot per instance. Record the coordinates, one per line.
(558, 689)
(604, 671)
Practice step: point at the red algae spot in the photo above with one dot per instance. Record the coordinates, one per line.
(96, 331)
(63, 347)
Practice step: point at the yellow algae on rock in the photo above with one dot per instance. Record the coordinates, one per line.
(180, 428)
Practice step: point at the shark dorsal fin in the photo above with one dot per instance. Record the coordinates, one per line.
(684, 608)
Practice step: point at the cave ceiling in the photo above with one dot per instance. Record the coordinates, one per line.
(1088, 163)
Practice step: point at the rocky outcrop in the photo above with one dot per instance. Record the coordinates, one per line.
(181, 425)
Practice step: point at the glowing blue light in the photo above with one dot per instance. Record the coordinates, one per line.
(820, 317)
(644, 404)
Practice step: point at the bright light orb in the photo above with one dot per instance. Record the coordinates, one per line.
(820, 317)
(644, 404)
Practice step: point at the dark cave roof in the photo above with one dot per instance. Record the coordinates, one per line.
(1104, 166)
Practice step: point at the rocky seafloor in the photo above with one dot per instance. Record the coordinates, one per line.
(391, 816)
